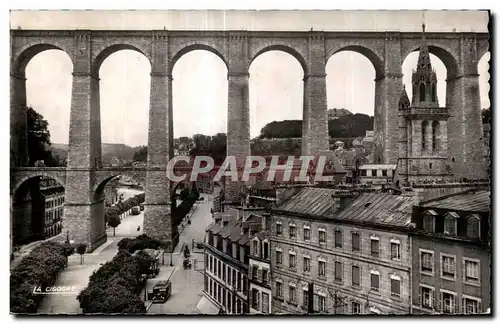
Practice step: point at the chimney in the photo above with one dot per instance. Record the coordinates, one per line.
(225, 220)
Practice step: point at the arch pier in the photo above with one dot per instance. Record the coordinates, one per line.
(88, 48)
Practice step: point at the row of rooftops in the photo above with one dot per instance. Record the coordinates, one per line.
(366, 208)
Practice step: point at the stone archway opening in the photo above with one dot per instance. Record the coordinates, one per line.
(442, 71)
(351, 75)
(483, 68)
(199, 102)
(124, 95)
(41, 78)
(37, 210)
(276, 95)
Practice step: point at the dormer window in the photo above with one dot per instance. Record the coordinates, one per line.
(428, 220)
(473, 226)
(450, 223)
(255, 247)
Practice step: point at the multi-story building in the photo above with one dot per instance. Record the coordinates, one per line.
(354, 253)
(227, 251)
(451, 254)
(259, 276)
(52, 196)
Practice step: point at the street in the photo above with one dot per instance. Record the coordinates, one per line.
(187, 285)
(77, 274)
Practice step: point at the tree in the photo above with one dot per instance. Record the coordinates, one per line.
(141, 154)
(80, 249)
(114, 221)
(38, 136)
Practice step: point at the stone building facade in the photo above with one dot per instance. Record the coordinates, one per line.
(355, 258)
(53, 195)
(423, 126)
(227, 251)
(260, 277)
(451, 254)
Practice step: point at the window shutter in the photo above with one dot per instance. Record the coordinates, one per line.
(268, 277)
(259, 274)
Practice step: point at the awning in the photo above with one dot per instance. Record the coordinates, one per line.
(206, 306)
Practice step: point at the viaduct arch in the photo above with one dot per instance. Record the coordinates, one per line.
(87, 49)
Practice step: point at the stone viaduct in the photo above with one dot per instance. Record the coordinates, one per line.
(460, 52)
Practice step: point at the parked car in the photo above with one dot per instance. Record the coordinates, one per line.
(162, 291)
(135, 210)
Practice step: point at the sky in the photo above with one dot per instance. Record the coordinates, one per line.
(200, 77)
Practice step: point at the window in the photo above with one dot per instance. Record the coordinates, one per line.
(363, 173)
(305, 298)
(291, 261)
(255, 270)
(448, 303)
(338, 271)
(255, 299)
(279, 289)
(426, 261)
(321, 303)
(424, 131)
(321, 268)
(279, 257)
(450, 224)
(279, 229)
(473, 226)
(395, 250)
(307, 233)
(374, 173)
(322, 235)
(434, 92)
(435, 128)
(384, 173)
(266, 250)
(255, 248)
(338, 238)
(264, 277)
(291, 294)
(426, 297)
(422, 92)
(428, 223)
(307, 264)
(375, 247)
(395, 286)
(293, 230)
(265, 303)
(447, 266)
(356, 275)
(224, 271)
(355, 242)
(374, 281)
(470, 306)
(355, 308)
(471, 269)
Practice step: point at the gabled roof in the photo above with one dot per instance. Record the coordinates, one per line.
(380, 208)
(473, 201)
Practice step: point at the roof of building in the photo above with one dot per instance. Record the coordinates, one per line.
(263, 185)
(475, 201)
(380, 208)
(378, 166)
(310, 200)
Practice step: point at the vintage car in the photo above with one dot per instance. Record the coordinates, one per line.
(135, 210)
(162, 291)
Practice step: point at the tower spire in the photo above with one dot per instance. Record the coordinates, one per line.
(424, 60)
